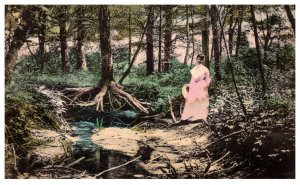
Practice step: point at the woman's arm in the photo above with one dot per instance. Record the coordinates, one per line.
(207, 78)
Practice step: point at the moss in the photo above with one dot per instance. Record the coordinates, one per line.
(21, 116)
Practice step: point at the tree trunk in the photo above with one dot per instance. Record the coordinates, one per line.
(267, 36)
(63, 40)
(205, 37)
(42, 37)
(290, 16)
(126, 73)
(159, 40)
(81, 63)
(216, 39)
(258, 50)
(187, 35)
(232, 25)
(105, 46)
(129, 31)
(168, 37)
(149, 39)
(231, 66)
(193, 41)
(240, 22)
(18, 39)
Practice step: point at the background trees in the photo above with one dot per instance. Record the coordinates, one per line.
(102, 56)
(154, 37)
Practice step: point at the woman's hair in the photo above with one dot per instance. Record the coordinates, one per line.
(200, 58)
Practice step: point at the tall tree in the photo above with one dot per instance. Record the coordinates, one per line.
(261, 71)
(63, 38)
(81, 63)
(232, 26)
(290, 16)
(126, 73)
(193, 39)
(42, 37)
(18, 39)
(231, 65)
(159, 39)
(107, 87)
(129, 32)
(149, 38)
(187, 31)
(239, 31)
(168, 36)
(105, 46)
(205, 35)
(216, 39)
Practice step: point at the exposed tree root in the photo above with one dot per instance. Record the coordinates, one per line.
(111, 93)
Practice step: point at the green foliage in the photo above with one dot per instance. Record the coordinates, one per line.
(21, 116)
(93, 62)
(278, 104)
(157, 87)
(99, 124)
(281, 57)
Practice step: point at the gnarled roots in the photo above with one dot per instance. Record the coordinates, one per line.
(114, 92)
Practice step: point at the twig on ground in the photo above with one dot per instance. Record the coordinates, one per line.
(171, 109)
(216, 161)
(76, 162)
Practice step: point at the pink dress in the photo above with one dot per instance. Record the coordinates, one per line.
(197, 100)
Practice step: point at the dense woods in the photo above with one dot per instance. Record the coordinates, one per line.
(101, 67)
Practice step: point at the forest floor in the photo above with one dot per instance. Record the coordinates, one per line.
(228, 145)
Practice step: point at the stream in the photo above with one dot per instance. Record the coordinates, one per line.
(97, 159)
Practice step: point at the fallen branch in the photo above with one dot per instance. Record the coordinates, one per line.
(216, 161)
(76, 162)
(116, 167)
(171, 109)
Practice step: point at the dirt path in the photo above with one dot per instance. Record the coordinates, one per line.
(173, 145)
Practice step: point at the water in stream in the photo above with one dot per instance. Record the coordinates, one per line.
(97, 159)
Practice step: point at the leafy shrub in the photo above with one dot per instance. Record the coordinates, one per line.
(278, 104)
(22, 115)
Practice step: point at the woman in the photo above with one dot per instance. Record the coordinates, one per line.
(197, 100)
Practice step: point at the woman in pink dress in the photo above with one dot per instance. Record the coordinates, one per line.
(197, 100)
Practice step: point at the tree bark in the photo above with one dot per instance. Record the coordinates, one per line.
(232, 25)
(126, 73)
(42, 37)
(159, 40)
(149, 39)
(205, 36)
(231, 66)
(193, 40)
(216, 39)
(290, 16)
(261, 71)
(18, 39)
(240, 22)
(105, 45)
(168, 37)
(187, 35)
(81, 63)
(63, 39)
(267, 36)
(129, 31)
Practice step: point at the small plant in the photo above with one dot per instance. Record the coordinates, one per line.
(99, 124)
